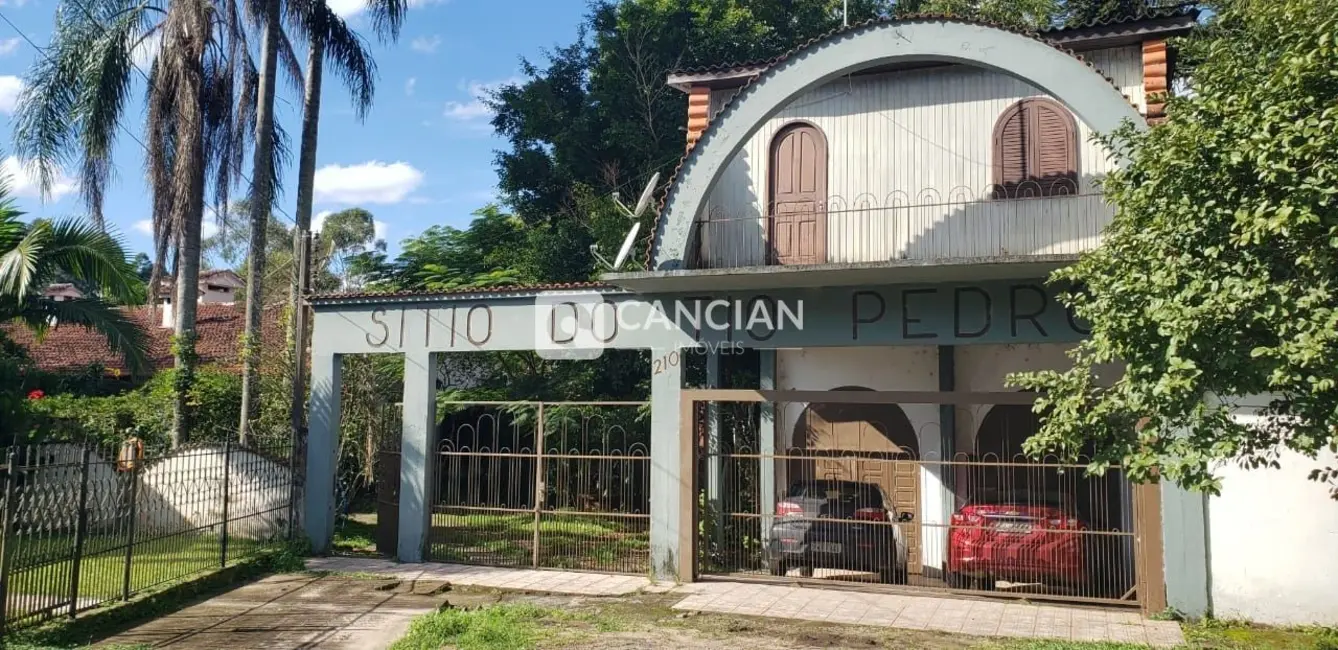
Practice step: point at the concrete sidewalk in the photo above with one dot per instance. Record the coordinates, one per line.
(993, 618)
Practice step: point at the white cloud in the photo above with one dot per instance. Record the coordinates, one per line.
(208, 228)
(23, 180)
(346, 8)
(477, 109)
(9, 46)
(426, 44)
(379, 229)
(369, 182)
(318, 221)
(10, 89)
(410, 86)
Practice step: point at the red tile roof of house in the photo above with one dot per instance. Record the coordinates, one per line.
(219, 327)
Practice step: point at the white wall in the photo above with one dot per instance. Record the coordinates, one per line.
(906, 151)
(1273, 544)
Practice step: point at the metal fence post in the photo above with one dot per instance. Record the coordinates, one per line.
(130, 537)
(227, 470)
(538, 484)
(80, 529)
(6, 536)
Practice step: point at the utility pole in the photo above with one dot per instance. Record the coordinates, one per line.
(303, 287)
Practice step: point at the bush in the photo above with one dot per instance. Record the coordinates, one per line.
(145, 412)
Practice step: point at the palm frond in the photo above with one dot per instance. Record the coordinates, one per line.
(91, 255)
(348, 53)
(388, 18)
(20, 265)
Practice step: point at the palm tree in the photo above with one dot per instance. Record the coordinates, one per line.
(261, 203)
(201, 101)
(35, 254)
(326, 32)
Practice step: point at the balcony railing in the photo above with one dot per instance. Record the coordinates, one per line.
(998, 222)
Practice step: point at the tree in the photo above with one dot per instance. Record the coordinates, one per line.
(261, 202)
(199, 109)
(33, 254)
(1216, 278)
(326, 32)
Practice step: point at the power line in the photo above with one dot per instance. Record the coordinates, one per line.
(43, 53)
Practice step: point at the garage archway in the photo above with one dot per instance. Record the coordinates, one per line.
(866, 443)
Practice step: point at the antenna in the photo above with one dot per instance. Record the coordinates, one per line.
(633, 214)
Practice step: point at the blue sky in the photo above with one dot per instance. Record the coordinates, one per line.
(423, 156)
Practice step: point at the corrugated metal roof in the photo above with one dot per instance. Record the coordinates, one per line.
(453, 294)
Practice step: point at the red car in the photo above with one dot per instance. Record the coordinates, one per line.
(1018, 536)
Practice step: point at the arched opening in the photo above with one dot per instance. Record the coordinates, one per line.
(1035, 151)
(797, 219)
(865, 443)
(1102, 504)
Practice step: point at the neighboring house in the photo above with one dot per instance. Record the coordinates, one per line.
(67, 348)
(217, 287)
(62, 291)
(907, 186)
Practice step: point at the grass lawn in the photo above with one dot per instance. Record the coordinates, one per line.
(44, 582)
(566, 540)
(520, 622)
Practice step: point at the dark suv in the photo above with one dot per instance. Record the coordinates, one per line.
(838, 525)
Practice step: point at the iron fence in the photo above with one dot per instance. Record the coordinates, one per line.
(544, 484)
(84, 524)
(849, 492)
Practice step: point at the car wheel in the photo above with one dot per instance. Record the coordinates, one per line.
(805, 572)
(779, 568)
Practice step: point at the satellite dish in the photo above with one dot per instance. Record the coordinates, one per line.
(627, 246)
(646, 195)
(633, 214)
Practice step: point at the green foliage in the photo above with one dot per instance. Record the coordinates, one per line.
(145, 412)
(1217, 277)
(35, 254)
(500, 627)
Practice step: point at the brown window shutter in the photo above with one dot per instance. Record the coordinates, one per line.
(1035, 151)
(1010, 151)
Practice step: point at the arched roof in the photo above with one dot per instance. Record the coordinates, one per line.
(1059, 73)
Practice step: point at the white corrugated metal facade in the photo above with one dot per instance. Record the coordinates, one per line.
(909, 164)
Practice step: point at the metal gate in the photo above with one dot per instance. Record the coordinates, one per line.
(543, 484)
(853, 488)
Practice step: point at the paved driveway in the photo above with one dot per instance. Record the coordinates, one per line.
(292, 611)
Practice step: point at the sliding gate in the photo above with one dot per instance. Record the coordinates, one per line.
(855, 488)
(561, 485)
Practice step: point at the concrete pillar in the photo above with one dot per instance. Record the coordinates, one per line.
(766, 442)
(322, 445)
(417, 457)
(671, 500)
(1184, 517)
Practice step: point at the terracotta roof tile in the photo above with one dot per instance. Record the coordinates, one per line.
(219, 326)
